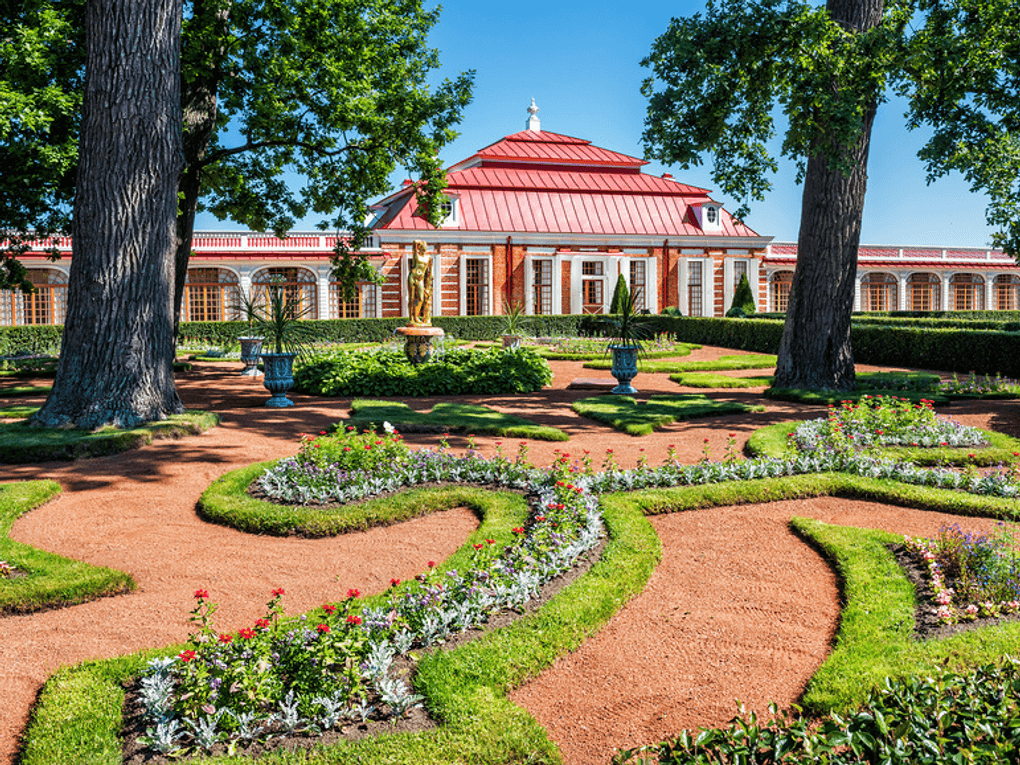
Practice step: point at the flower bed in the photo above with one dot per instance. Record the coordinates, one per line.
(972, 575)
(316, 673)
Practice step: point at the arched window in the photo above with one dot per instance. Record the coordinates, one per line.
(923, 292)
(47, 305)
(210, 294)
(966, 292)
(878, 292)
(299, 287)
(779, 290)
(1007, 292)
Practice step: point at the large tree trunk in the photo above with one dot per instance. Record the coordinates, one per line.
(815, 351)
(116, 360)
(199, 104)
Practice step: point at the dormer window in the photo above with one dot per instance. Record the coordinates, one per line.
(709, 216)
(450, 208)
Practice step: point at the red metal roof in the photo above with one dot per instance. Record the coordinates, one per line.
(540, 182)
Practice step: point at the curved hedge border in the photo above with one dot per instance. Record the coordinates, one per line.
(770, 441)
(53, 580)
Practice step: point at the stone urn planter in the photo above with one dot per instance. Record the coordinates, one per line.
(511, 342)
(279, 377)
(251, 349)
(624, 367)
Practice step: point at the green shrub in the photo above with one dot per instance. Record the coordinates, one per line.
(743, 300)
(389, 373)
(620, 294)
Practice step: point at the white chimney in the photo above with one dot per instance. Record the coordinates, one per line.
(533, 122)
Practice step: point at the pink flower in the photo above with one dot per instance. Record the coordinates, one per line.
(394, 582)
(352, 594)
(431, 564)
(201, 593)
(329, 609)
(278, 592)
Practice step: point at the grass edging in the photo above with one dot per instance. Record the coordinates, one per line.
(876, 632)
(228, 503)
(771, 441)
(79, 713)
(23, 443)
(53, 580)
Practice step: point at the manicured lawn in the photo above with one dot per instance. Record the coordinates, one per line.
(710, 380)
(50, 580)
(20, 443)
(24, 390)
(639, 418)
(448, 417)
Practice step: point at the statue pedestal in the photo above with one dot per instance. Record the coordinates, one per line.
(418, 342)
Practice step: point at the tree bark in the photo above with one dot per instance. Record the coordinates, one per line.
(199, 106)
(116, 360)
(815, 351)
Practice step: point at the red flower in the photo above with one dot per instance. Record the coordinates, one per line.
(478, 546)
(262, 624)
(323, 629)
(329, 609)
(518, 530)
(347, 448)
(201, 593)
(226, 638)
(247, 634)
(352, 594)
(432, 564)
(540, 518)
(490, 541)
(394, 582)
(278, 592)
(322, 432)
(354, 619)
(186, 656)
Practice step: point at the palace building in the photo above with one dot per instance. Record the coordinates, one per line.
(549, 221)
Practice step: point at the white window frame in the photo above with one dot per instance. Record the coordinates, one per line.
(462, 276)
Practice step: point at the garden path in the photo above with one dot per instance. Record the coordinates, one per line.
(648, 674)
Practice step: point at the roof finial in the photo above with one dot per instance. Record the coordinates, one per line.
(533, 122)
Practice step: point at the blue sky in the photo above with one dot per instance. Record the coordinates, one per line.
(580, 61)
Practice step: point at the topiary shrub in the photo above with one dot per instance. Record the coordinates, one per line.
(743, 300)
(620, 294)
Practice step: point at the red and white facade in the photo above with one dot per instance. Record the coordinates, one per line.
(552, 222)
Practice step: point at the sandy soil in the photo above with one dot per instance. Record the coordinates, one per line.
(739, 608)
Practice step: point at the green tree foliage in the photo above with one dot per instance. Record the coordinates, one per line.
(721, 76)
(40, 104)
(964, 85)
(620, 294)
(743, 299)
(335, 92)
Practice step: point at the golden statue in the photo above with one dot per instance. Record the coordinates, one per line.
(419, 288)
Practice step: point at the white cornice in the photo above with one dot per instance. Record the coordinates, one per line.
(387, 236)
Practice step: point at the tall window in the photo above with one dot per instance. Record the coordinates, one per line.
(923, 292)
(639, 283)
(47, 305)
(878, 292)
(299, 287)
(1007, 292)
(695, 294)
(739, 271)
(541, 279)
(967, 292)
(782, 281)
(592, 296)
(364, 304)
(476, 287)
(210, 294)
